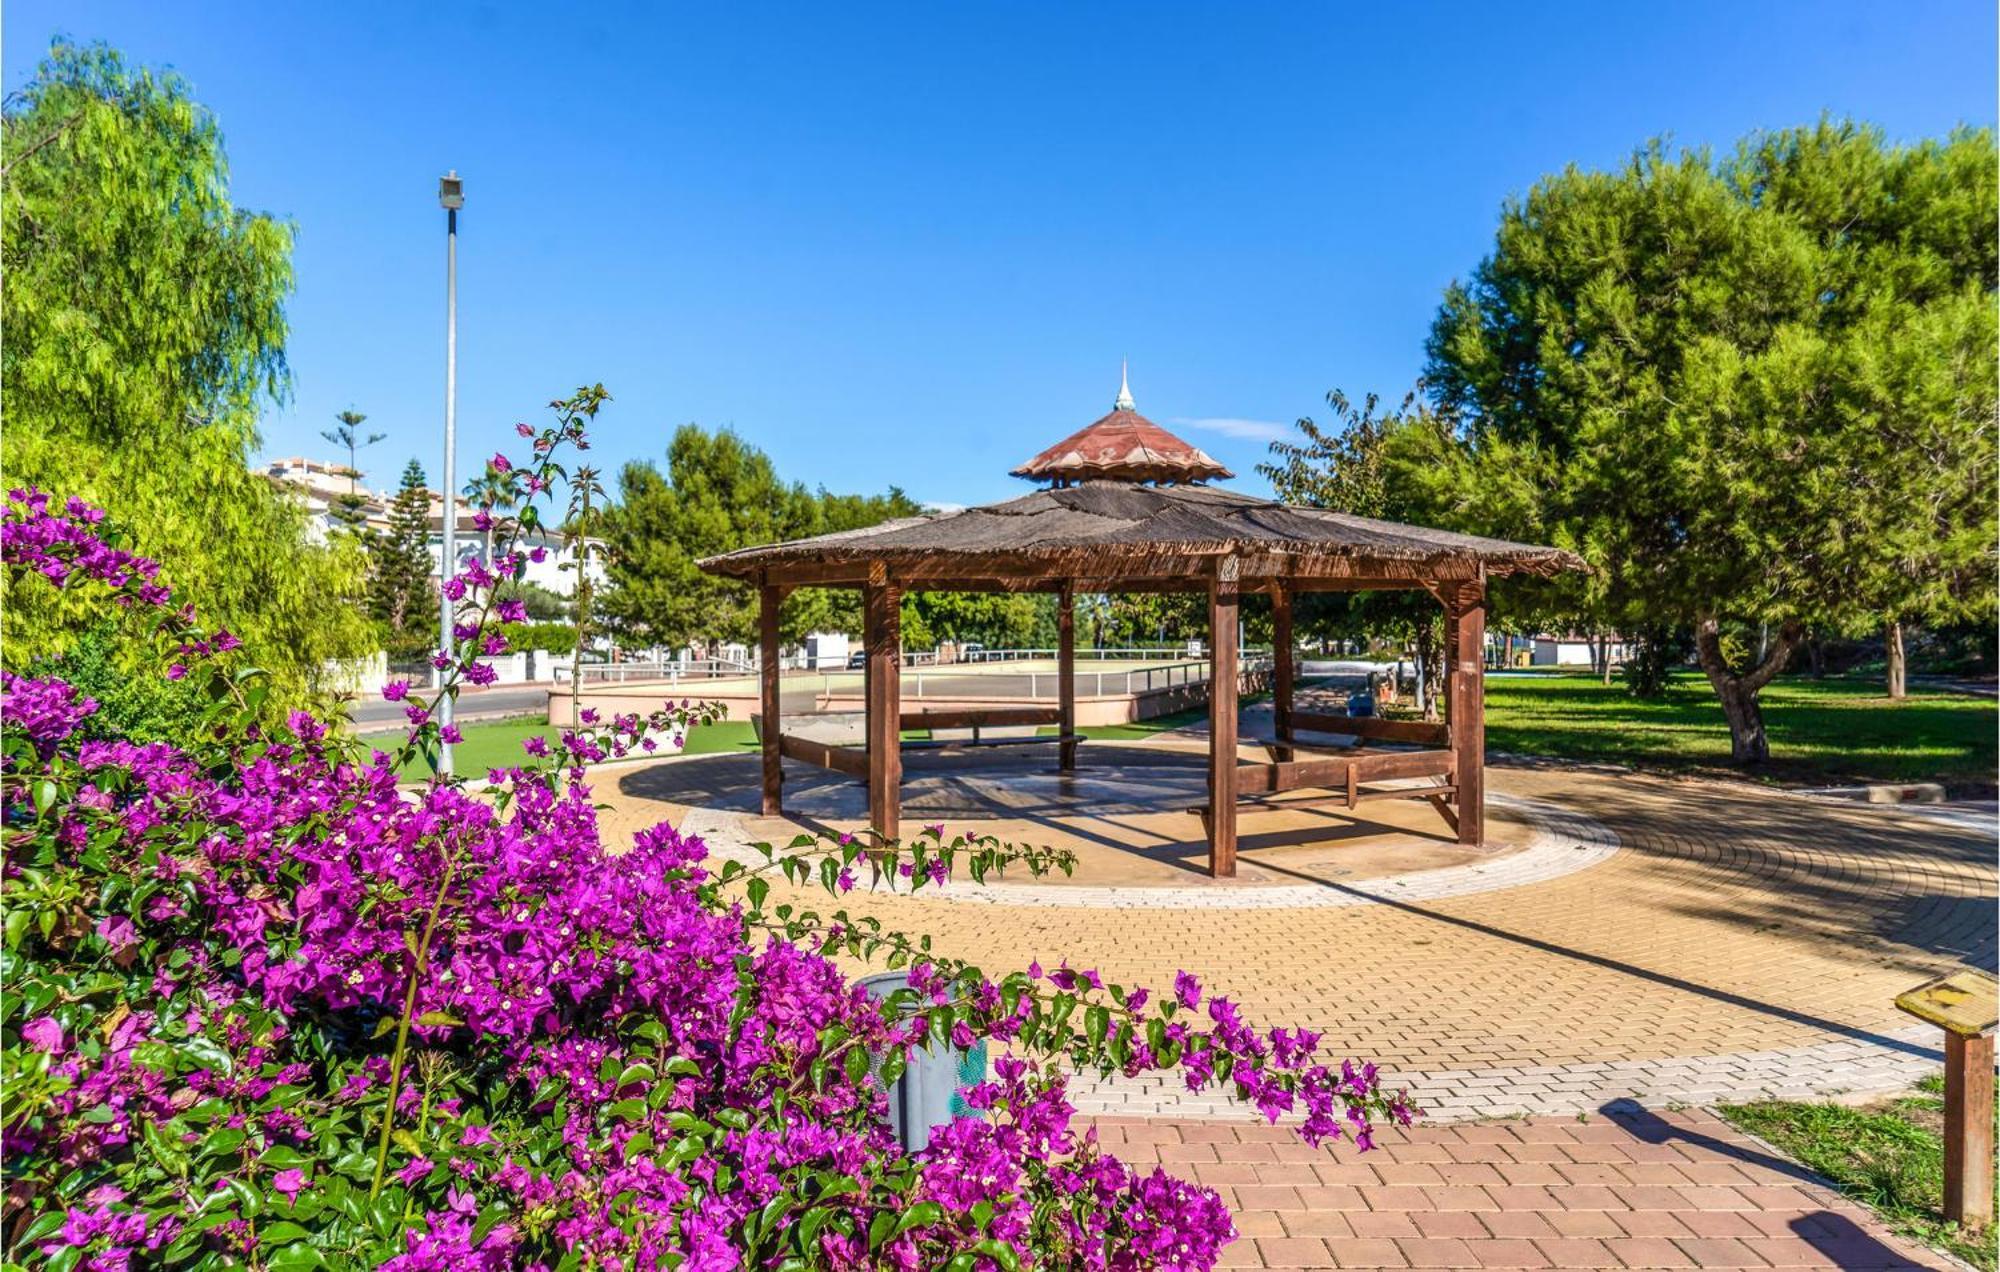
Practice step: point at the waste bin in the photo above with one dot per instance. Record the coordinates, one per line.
(929, 1094)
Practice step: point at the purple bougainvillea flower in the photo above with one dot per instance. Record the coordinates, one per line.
(1187, 990)
(43, 1034)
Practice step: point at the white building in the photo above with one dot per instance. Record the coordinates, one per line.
(319, 487)
(1572, 650)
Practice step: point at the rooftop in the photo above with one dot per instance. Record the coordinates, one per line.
(1122, 446)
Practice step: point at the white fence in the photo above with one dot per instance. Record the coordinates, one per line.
(619, 673)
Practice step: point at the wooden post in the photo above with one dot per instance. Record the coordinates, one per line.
(1466, 659)
(882, 640)
(1223, 605)
(769, 599)
(1447, 691)
(1281, 668)
(1968, 1130)
(1066, 678)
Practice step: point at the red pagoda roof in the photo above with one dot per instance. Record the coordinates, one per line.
(1122, 446)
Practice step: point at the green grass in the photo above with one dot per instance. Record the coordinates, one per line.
(1836, 730)
(1889, 1156)
(497, 743)
(1840, 729)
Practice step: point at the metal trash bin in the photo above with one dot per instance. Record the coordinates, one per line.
(930, 1092)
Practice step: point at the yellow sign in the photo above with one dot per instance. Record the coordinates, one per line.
(1966, 1003)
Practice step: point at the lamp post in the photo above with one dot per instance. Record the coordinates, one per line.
(451, 197)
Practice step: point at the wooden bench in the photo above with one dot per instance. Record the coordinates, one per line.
(1343, 777)
(853, 760)
(946, 744)
(977, 718)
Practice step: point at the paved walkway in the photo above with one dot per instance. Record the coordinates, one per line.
(1646, 1190)
(1737, 942)
(1638, 943)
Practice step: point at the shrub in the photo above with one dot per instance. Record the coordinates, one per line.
(266, 1006)
(133, 702)
(553, 637)
(1649, 664)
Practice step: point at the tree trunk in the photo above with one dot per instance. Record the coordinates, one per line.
(1604, 657)
(1816, 654)
(1430, 659)
(1898, 667)
(1748, 743)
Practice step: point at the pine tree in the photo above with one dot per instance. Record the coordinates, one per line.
(401, 597)
(347, 508)
(1751, 392)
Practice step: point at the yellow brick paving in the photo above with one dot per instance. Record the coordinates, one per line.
(1733, 919)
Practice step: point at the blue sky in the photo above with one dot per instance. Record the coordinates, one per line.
(910, 243)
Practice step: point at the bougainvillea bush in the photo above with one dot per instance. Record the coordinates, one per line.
(266, 1007)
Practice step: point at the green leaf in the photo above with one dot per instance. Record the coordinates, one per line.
(920, 1215)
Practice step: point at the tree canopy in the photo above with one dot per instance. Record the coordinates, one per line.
(1754, 390)
(719, 493)
(145, 328)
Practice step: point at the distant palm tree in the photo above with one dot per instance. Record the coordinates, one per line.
(494, 492)
(348, 435)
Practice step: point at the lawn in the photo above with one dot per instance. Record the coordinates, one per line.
(497, 743)
(1888, 1155)
(1836, 730)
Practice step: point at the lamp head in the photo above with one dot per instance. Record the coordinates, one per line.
(451, 191)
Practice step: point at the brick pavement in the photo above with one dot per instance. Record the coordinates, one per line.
(1713, 941)
(1645, 1190)
(1738, 940)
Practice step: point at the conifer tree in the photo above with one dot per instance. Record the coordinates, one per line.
(401, 597)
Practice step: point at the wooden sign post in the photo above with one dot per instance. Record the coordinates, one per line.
(1967, 1007)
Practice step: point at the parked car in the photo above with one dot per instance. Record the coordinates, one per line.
(858, 660)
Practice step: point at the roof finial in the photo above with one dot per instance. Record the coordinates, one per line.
(1124, 402)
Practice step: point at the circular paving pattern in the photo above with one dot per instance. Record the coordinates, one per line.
(1557, 842)
(1711, 940)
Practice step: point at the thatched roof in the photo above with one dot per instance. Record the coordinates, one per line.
(1157, 532)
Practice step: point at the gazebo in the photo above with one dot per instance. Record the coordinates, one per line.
(1127, 508)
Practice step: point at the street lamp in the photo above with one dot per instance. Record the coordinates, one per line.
(451, 197)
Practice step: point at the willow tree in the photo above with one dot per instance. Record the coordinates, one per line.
(145, 327)
(1751, 392)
